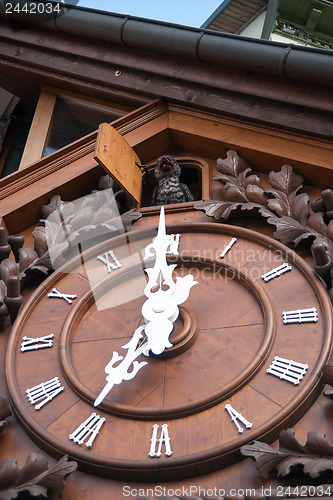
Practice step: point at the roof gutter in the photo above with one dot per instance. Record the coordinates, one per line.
(219, 49)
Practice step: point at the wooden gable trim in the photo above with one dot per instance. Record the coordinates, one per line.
(156, 129)
(267, 147)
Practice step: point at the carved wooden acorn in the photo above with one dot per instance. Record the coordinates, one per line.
(8, 268)
(322, 263)
(5, 249)
(16, 241)
(13, 299)
(169, 189)
(3, 314)
(324, 204)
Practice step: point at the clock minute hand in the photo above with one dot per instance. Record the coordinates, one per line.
(159, 311)
(116, 374)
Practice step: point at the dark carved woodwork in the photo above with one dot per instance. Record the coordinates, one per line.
(4, 247)
(16, 242)
(282, 206)
(13, 299)
(5, 412)
(35, 479)
(314, 459)
(322, 263)
(52, 240)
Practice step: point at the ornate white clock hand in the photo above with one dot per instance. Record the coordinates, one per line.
(119, 373)
(159, 311)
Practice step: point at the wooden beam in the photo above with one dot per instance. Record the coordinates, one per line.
(34, 147)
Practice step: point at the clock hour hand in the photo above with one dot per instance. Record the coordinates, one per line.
(116, 374)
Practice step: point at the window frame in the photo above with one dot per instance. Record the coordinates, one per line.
(41, 122)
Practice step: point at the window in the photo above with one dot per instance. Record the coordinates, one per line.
(63, 117)
(72, 119)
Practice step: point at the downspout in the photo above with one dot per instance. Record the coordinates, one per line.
(270, 17)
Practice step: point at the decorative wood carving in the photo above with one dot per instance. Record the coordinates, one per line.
(60, 232)
(56, 237)
(282, 206)
(13, 299)
(35, 478)
(314, 459)
(16, 242)
(5, 412)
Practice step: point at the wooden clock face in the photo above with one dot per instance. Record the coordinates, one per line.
(210, 393)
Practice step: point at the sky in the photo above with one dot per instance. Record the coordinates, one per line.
(186, 12)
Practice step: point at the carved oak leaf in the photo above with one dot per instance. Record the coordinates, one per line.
(289, 230)
(238, 185)
(50, 242)
(29, 261)
(285, 200)
(300, 207)
(34, 478)
(279, 203)
(129, 217)
(217, 209)
(105, 182)
(255, 193)
(286, 180)
(328, 392)
(316, 221)
(315, 458)
(63, 208)
(5, 412)
(231, 165)
(40, 240)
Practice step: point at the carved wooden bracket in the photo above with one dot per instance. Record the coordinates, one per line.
(282, 206)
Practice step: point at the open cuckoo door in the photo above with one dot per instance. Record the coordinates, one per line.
(117, 157)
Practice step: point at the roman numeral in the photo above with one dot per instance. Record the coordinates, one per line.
(287, 369)
(300, 316)
(58, 295)
(227, 248)
(277, 271)
(111, 264)
(31, 344)
(89, 427)
(163, 439)
(235, 415)
(45, 391)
